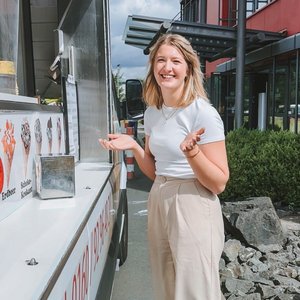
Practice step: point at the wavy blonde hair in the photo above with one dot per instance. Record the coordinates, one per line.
(193, 87)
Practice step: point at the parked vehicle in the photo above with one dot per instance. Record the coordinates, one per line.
(134, 99)
(64, 247)
(292, 110)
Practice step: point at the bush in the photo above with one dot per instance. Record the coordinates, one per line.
(263, 163)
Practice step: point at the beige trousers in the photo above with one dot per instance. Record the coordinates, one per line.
(186, 239)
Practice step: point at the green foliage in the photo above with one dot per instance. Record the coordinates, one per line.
(51, 101)
(263, 163)
(119, 83)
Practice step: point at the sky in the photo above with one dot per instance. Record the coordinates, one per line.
(132, 61)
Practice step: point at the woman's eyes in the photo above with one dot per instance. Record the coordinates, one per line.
(175, 61)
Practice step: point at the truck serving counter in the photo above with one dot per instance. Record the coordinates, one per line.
(57, 248)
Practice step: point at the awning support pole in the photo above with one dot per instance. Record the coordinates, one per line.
(203, 12)
(240, 64)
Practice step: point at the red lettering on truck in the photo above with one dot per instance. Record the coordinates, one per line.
(80, 278)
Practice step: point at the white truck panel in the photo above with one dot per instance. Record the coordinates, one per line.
(44, 229)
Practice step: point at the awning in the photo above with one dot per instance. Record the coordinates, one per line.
(210, 41)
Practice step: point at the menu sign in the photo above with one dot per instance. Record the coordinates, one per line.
(71, 95)
(22, 137)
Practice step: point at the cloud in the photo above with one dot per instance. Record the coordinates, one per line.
(120, 9)
(126, 55)
(133, 72)
(131, 59)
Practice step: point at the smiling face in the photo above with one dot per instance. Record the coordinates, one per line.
(170, 70)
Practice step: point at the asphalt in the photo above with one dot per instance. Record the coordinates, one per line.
(133, 279)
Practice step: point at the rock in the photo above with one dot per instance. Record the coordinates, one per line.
(254, 221)
(246, 253)
(286, 281)
(287, 297)
(255, 296)
(234, 285)
(231, 250)
(273, 248)
(256, 265)
(232, 269)
(251, 269)
(266, 291)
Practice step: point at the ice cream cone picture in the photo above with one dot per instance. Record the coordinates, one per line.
(9, 145)
(49, 135)
(26, 140)
(58, 125)
(1, 176)
(38, 136)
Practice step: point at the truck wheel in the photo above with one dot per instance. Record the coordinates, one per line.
(123, 246)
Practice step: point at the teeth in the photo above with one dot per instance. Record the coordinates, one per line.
(167, 76)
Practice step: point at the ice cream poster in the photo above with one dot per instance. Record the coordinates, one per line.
(10, 145)
(22, 136)
(49, 134)
(17, 147)
(48, 137)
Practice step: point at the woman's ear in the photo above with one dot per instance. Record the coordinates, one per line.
(189, 71)
(187, 75)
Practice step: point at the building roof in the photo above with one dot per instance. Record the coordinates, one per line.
(210, 41)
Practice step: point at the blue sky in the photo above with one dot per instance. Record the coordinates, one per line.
(131, 59)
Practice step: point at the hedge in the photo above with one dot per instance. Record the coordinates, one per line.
(263, 163)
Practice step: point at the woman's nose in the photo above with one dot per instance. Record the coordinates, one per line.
(168, 65)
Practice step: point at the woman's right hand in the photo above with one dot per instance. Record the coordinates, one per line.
(118, 142)
(144, 158)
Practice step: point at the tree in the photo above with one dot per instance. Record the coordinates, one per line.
(119, 83)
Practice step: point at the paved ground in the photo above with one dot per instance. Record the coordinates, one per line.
(133, 281)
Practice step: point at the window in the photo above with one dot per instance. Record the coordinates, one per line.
(286, 115)
(190, 10)
(228, 10)
(253, 5)
(293, 108)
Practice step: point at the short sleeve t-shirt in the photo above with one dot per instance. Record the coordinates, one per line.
(165, 136)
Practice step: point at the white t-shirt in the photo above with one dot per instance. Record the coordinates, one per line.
(165, 136)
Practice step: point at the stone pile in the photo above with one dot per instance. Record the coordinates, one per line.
(261, 257)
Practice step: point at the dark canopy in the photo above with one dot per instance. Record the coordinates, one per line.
(210, 41)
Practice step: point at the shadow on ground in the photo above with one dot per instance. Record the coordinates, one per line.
(140, 181)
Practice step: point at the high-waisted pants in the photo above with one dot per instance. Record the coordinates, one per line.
(186, 239)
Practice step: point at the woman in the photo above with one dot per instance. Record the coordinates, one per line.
(185, 155)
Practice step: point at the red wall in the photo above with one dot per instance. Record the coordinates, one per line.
(213, 18)
(212, 12)
(277, 16)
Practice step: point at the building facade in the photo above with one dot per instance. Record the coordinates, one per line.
(271, 72)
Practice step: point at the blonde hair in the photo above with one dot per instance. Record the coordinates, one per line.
(193, 87)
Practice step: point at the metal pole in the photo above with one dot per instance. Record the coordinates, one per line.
(203, 12)
(273, 90)
(203, 19)
(297, 93)
(262, 111)
(240, 64)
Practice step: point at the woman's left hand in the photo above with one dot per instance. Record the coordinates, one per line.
(191, 140)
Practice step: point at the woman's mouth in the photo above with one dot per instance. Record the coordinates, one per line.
(167, 76)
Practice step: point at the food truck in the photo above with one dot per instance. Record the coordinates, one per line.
(63, 207)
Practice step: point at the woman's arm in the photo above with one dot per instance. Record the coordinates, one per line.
(208, 161)
(144, 158)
